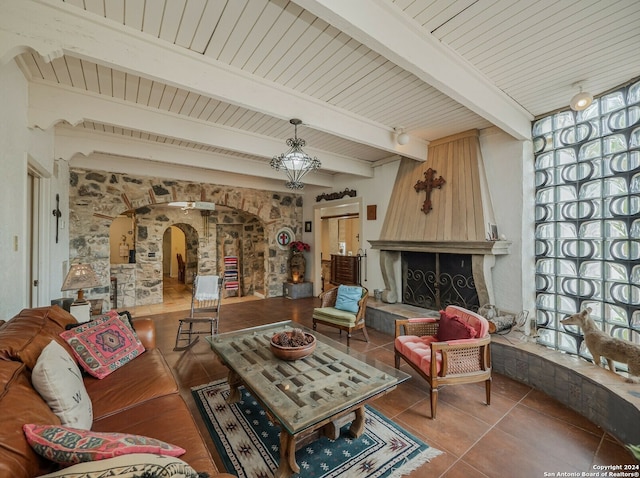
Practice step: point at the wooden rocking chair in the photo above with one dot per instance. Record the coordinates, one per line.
(206, 298)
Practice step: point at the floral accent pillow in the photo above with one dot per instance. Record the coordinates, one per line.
(69, 446)
(103, 345)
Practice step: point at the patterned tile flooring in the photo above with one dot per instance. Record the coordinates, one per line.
(524, 433)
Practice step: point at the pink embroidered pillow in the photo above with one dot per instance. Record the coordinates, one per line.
(451, 327)
(103, 345)
(69, 446)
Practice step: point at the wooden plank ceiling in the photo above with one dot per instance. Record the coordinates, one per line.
(529, 52)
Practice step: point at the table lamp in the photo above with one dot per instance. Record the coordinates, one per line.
(79, 277)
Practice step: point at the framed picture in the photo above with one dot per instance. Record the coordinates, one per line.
(307, 226)
(372, 211)
(284, 237)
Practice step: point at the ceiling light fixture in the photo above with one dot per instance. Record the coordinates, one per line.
(581, 100)
(295, 162)
(402, 138)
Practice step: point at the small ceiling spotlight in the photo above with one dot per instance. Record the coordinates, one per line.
(402, 138)
(581, 100)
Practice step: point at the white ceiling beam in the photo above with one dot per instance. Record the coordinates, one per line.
(54, 28)
(50, 104)
(388, 31)
(143, 167)
(70, 142)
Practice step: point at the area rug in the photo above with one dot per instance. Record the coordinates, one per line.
(248, 442)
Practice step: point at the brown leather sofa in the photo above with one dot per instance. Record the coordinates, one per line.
(140, 398)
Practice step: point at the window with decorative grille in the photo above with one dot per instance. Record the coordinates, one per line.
(587, 172)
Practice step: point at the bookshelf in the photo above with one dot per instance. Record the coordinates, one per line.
(231, 276)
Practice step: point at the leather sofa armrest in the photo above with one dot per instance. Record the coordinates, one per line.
(146, 331)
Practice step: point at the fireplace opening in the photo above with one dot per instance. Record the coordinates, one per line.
(434, 280)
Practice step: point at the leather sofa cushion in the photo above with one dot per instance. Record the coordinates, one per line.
(146, 377)
(173, 425)
(24, 336)
(20, 404)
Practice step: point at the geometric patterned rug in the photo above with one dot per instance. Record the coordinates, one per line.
(248, 442)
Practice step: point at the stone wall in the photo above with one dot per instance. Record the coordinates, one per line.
(244, 224)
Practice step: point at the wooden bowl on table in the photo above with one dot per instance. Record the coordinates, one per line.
(292, 352)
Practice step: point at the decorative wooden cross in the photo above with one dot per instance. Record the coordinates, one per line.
(430, 182)
(57, 214)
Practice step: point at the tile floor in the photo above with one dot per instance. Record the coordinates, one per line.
(524, 433)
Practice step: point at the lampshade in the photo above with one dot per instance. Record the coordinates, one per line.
(80, 276)
(295, 162)
(581, 101)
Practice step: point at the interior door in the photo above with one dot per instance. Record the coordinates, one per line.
(33, 233)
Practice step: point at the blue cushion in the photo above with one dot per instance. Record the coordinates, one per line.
(348, 297)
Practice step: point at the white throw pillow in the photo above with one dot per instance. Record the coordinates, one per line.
(129, 466)
(58, 380)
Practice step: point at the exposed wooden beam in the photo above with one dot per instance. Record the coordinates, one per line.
(54, 28)
(70, 142)
(388, 31)
(50, 104)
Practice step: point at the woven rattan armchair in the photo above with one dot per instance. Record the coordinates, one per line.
(445, 363)
(327, 314)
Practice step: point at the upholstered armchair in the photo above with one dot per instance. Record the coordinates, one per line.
(440, 356)
(346, 318)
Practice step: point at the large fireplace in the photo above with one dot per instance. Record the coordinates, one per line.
(432, 280)
(445, 255)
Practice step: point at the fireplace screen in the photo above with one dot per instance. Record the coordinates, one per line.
(434, 280)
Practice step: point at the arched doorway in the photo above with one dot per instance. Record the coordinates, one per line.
(173, 249)
(263, 213)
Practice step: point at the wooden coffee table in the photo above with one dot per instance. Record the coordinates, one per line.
(307, 398)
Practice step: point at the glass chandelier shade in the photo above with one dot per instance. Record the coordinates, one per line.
(295, 162)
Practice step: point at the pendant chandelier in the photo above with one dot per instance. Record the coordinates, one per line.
(295, 162)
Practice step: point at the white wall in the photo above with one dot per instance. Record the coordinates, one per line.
(509, 170)
(21, 149)
(376, 190)
(509, 167)
(13, 158)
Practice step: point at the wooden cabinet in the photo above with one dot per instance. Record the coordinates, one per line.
(345, 269)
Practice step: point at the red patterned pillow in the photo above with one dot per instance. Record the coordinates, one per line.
(69, 446)
(451, 327)
(103, 345)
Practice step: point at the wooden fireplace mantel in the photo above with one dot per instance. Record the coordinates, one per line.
(494, 248)
(482, 261)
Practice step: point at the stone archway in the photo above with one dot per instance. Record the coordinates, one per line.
(96, 197)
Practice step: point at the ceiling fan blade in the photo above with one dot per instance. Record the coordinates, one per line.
(208, 206)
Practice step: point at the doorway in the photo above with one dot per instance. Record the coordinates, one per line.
(33, 235)
(174, 252)
(339, 234)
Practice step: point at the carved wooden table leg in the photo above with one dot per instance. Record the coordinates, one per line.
(234, 383)
(288, 465)
(357, 426)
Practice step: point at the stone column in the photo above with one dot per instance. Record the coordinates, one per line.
(481, 265)
(387, 260)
